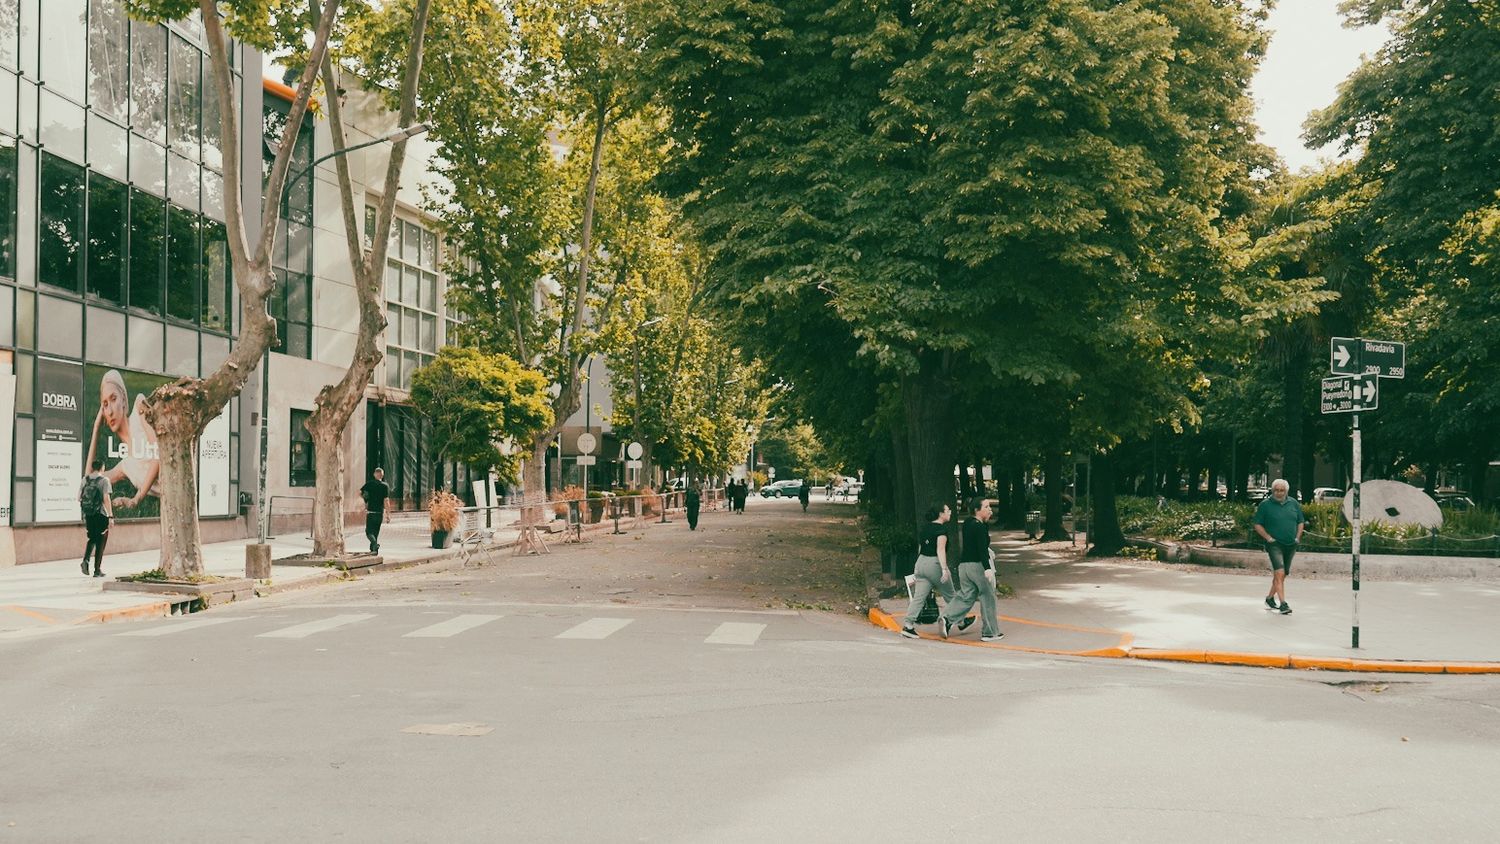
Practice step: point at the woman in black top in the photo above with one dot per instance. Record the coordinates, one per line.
(976, 577)
(932, 566)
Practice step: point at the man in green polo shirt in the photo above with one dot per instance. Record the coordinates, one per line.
(1280, 522)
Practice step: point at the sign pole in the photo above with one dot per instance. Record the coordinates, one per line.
(1355, 541)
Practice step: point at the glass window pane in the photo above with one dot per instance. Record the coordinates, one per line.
(8, 162)
(369, 224)
(213, 127)
(277, 303)
(429, 292)
(148, 166)
(184, 255)
(148, 88)
(429, 250)
(109, 59)
(298, 298)
(25, 465)
(429, 333)
(105, 338)
(147, 250)
(7, 316)
(7, 97)
(109, 215)
(411, 286)
(184, 101)
(25, 392)
(216, 297)
(26, 119)
(60, 327)
(146, 342)
(298, 247)
(60, 240)
(9, 20)
(109, 146)
(298, 340)
(409, 328)
(393, 282)
(25, 319)
(64, 35)
(411, 251)
(408, 366)
(393, 325)
(182, 181)
(61, 126)
(213, 194)
(393, 368)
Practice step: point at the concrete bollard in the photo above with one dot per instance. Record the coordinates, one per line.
(258, 562)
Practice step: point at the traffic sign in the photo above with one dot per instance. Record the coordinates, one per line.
(586, 443)
(1350, 393)
(585, 460)
(1358, 356)
(635, 450)
(632, 464)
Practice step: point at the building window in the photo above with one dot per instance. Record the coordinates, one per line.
(302, 471)
(291, 304)
(147, 250)
(108, 216)
(8, 163)
(411, 287)
(60, 244)
(184, 257)
(217, 280)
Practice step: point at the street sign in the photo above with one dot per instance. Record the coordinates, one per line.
(585, 460)
(1358, 356)
(632, 464)
(1350, 393)
(635, 450)
(771, 472)
(587, 443)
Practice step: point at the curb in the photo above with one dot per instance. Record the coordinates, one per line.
(882, 619)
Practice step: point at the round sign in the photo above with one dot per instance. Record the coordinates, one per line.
(586, 443)
(635, 451)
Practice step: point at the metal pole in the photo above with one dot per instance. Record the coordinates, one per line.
(263, 513)
(1354, 543)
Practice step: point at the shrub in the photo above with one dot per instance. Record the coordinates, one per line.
(443, 510)
(560, 499)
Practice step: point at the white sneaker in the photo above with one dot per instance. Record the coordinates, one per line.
(995, 638)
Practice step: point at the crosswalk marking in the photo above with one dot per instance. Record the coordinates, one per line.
(181, 626)
(302, 631)
(735, 633)
(451, 627)
(595, 628)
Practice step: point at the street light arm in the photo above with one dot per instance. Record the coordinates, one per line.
(402, 134)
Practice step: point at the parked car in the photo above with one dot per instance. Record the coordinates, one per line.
(850, 489)
(1327, 495)
(777, 489)
(1453, 500)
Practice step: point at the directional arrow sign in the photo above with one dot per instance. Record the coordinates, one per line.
(1358, 356)
(1350, 393)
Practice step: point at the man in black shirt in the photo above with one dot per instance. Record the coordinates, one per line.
(975, 578)
(375, 492)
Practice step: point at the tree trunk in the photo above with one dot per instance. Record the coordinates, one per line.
(337, 402)
(181, 549)
(905, 502)
(1015, 516)
(928, 397)
(1052, 529)
(1107, 536)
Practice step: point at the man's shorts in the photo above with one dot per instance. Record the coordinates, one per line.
(1281, 555)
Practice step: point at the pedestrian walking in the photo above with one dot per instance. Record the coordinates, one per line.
(1280, 522)
(804, 492)
(94, 502)
(741, 492)
(828, 489)
(976, 577)
(931, 569)
(692, 500)
(375, 493)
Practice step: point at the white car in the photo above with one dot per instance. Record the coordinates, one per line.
(1327, 495)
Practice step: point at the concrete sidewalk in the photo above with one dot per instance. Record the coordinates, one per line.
(1071, 605)
(42, 595)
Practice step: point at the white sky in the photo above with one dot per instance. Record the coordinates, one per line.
(1310, 54)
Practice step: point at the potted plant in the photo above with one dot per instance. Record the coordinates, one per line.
(596, 506)
(443, 512)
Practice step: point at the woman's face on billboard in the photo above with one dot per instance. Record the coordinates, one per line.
(112, 404)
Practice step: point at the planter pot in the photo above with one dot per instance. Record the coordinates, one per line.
(442, 539)
(596, 510)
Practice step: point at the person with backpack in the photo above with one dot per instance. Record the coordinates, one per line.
(93, 500)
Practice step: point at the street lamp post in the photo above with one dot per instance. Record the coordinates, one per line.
(262, 511)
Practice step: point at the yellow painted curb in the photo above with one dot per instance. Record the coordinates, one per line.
(882, 619)
(141, 611)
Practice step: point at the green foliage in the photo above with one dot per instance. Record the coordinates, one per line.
(478, 400)
(1222, 520)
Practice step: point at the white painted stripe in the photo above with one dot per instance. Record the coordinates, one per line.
(451, 627)
(735, 633)
(181, 626)
(302, 631)
(595, 628)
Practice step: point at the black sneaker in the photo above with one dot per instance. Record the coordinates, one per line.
(965, 624)
(1286, 609)
(995, 638)
(98, 573)
(943, 626)
(1271, 602)
(84, 567)
(910, 632)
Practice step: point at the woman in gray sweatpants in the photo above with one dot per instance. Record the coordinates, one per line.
(932, 566)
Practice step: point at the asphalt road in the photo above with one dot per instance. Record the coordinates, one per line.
(341, 714)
